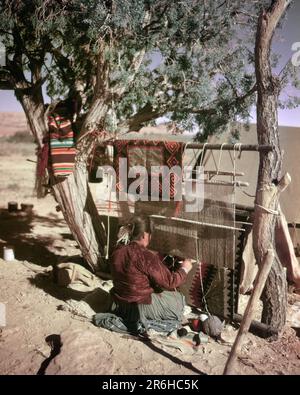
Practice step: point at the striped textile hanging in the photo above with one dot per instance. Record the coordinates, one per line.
(62, 146)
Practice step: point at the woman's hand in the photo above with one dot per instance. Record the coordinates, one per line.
(187, 265)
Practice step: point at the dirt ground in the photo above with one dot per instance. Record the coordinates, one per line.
(38, 327)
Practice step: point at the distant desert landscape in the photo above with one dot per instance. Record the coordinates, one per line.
(12, 122)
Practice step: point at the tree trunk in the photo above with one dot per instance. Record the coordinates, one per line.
(72, 194)
(94, 120)
(76, 202)
(274, 297)
(268, 88)
(33, 106)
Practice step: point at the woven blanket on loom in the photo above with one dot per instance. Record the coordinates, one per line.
(148, 153)
(207, 287)
(62, 147)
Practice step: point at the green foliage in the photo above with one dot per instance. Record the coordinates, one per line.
(190, 60)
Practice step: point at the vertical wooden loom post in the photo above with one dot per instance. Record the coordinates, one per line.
(270, 164)
(249, 312)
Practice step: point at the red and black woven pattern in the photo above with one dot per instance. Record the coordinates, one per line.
(148, 154)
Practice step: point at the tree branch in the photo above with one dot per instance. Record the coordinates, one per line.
(137, 121)
(267, 20)
(118, 91)
(147, 113)
(214, 105)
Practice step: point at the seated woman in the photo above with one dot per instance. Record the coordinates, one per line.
(144, 289)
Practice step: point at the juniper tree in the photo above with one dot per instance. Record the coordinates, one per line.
(133, 61)
(129, 62)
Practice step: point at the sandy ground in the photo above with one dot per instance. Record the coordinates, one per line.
(37, 323)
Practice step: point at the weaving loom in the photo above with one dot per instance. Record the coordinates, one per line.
(207, 234)
(211, 236)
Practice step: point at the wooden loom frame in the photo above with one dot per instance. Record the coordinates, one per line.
(226, 147)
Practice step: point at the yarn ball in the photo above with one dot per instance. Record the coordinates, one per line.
(212, 326)
(182, 332)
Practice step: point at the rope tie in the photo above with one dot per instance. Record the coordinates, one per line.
(213, 156)
(220, 157)
(202, 154)
(194, 152)
(268, 210)
(239, 146)
(245, 193)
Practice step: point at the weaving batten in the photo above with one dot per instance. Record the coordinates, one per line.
(221, 182)
(197, 222)
(222, 173)
(244, 223)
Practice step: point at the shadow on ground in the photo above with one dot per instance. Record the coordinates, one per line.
(54, 342)
(165, 354)
(16, 230)
(46, 282)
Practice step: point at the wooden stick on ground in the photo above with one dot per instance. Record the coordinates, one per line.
(259, 284)
(257, 328)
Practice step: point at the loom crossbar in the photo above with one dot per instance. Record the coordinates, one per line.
(197, 222)
(231, 147)
(220, 182)
(223, 173)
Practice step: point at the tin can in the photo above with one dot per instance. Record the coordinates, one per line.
(8, 254)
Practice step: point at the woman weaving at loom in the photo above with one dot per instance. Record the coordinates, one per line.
(139, 276)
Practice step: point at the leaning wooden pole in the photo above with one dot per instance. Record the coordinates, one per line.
(259, 284)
